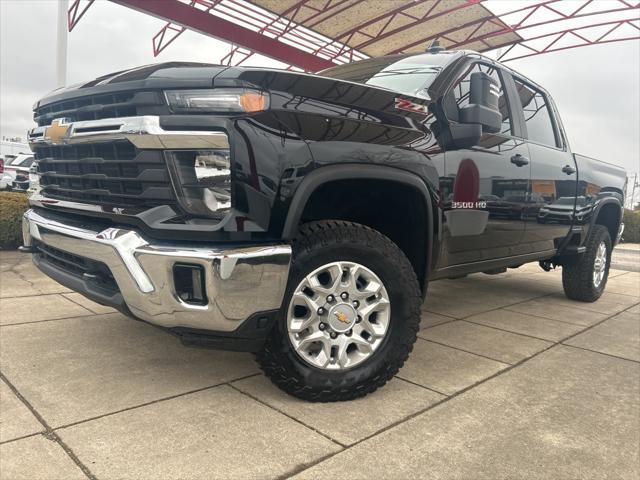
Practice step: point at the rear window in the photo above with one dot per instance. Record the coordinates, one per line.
(537, 116)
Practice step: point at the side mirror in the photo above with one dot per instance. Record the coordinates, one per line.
(483, 108)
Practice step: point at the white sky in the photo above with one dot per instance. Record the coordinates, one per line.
(597, 88)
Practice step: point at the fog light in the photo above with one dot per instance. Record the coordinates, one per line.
(189, 283)
(202, 180)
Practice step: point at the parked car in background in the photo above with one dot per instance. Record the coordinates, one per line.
(17, 170)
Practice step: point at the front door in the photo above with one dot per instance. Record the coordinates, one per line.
(484, 188)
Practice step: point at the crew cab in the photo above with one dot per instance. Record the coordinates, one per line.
(301, 216)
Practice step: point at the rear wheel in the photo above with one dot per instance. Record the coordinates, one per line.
(586, 278)
(350, 316)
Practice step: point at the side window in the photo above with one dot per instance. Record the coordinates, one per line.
(461, 95)
(536, 115)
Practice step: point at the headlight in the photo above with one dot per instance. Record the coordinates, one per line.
(217, 100)
(202, 180)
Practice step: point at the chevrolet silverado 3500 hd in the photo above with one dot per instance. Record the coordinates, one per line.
(303, 216)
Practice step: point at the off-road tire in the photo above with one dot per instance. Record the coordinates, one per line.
(577, 277)
(322, 242)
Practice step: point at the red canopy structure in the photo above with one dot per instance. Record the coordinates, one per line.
(317, 34)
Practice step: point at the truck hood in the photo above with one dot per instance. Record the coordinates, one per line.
(160, 75)
(176, 75)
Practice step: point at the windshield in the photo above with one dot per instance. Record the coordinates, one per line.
(409, 75)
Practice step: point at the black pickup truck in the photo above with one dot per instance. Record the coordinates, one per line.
(303, 216)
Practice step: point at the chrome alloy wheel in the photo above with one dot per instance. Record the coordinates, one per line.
(338, 315)
(600, 264)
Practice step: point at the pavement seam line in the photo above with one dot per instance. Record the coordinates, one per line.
(511, 331)
(601, 353)
(492, 309)
(80, 305)
(22, 437)
(253, 397)
(49, 432)
(90, 314)
(302, 468)
(421, 386)
(420, 333)
(152, 402)
(553, 319)
(466, 351)
(10, 297)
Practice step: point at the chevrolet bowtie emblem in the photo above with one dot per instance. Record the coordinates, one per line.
(341, 317)
(56, 131)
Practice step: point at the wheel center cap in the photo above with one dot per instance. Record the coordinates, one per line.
(342, 317)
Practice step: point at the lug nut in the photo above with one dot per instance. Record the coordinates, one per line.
(359, 319)
(356, 304)
(330, 298)
(344, 295)
(334, 335)
(348, 334)
(322, 326)
(321, 311)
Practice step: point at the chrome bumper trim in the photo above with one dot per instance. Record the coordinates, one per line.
(240, 281)
(144, 132)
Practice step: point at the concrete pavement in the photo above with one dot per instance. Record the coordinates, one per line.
(508, 379)
(627, 257)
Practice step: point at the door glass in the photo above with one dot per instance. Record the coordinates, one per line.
(461, 95)
(536, 115)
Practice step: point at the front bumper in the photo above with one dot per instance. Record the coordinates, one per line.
(240, 281)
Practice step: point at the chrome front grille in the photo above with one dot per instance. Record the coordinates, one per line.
(113, 162)
(113, 174)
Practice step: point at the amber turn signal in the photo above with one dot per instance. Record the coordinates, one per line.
(253, 101)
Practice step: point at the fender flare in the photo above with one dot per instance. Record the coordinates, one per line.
(323, 175)
(596, 212)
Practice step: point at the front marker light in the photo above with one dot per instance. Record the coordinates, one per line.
(202, 181)
(217, 100)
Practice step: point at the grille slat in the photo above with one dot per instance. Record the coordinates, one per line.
(123, 104)
(151, 175)
(112, 174)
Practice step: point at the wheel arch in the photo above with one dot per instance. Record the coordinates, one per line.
(608, 213)
(324, 176)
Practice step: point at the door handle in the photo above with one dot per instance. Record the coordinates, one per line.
(569, 170)
(519, 160)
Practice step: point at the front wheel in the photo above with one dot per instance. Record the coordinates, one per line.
(585, 279)
(350, 315)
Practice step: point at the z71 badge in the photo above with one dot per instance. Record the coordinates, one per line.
(409, 106)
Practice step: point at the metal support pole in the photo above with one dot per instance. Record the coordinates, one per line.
(61, 44)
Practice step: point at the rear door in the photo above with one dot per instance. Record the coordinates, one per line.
(551, 198)
(484, 187)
